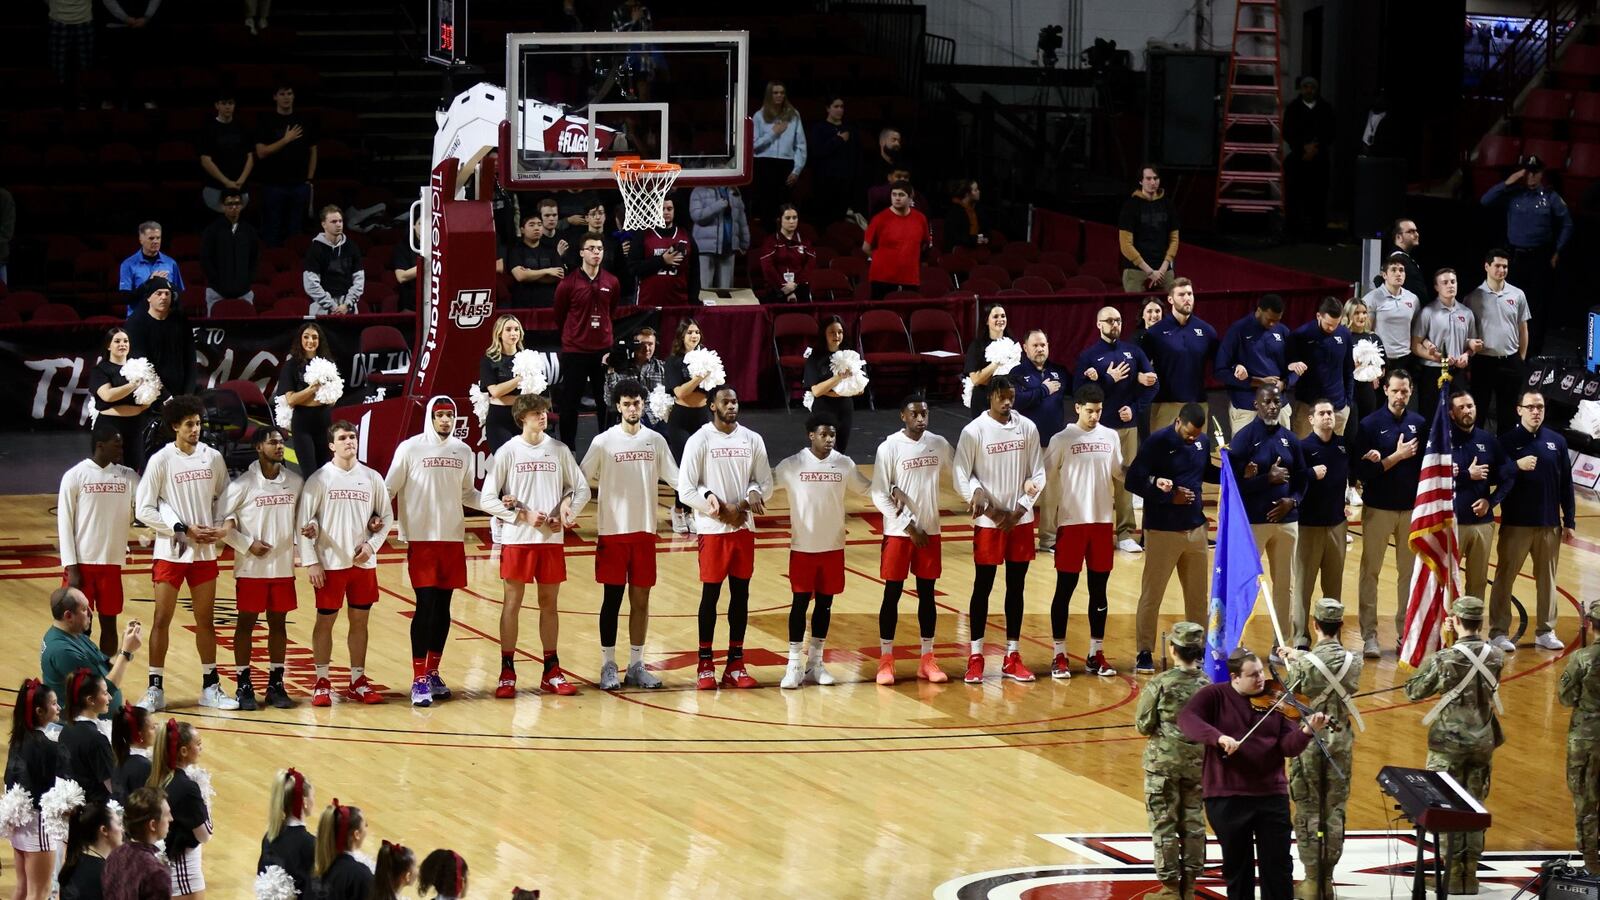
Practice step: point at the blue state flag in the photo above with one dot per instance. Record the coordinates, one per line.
(1236, 571)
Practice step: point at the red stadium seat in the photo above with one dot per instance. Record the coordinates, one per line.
(1084, 284)
(983, 287)
(935, 280)
(290, 307)
(828, 285)
(55, 312)
(1545, 113)
(1021, 249)
(1061, 259)
(935, 330)
(792, 333)
(1033, 284)
(992, 273)
(384, 339)
(23, 303)
(1583, 172)
(1496, 154)
(1050, 273)
(885, 345)
(1552, 153)
(9, 316)
(232, 308)
(850, 266)
(1585, 123)
(1577, 68)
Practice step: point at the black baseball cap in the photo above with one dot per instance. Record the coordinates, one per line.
(1531, 162)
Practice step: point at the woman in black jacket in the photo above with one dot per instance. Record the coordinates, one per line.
(310, 417)
(31, 763)
(339, 875)
(287, 844)
(85, 750)
(494, 376)
(113, 397)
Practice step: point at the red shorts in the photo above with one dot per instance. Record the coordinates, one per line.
(437, 564)
(817, 573)
(725, 555)
(901, 558)
(626, 559)
(1092, 542)
(260, 595)
(102, 584)
(533, 563)
(358, 584)
(174, 573)
(991, 546)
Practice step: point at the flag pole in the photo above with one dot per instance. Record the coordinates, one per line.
(1272, 611)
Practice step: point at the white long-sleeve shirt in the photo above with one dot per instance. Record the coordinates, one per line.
(626, 467)
(915, 467)
(181, 487)
(341, 503)
(431, 479)
(1001, 458)
(266, 510)
(1084, 463)
(816, 498)
(537, 475)
(94, 508)
(728, 465)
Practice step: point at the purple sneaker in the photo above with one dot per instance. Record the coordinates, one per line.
(437, 687)
(420, 694)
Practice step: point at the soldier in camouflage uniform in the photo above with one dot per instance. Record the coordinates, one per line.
(1172, 766)
(1464, 727)
(1328, 674)
(1580, 689)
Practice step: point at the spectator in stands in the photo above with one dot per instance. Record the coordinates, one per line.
(720, 231)
(584, 301)
(70, 45)
(333, 277)
(780, 145)
(8, 230)
(148, 262)
(286, 162)
(638, 363)
(1538, 226)
(1147, 233)
(113, 397)
(878, 194)
(786, 261)
(404, 263)
(1309, 128)
(229, 251)
(835, 165)
(534, 265)
(820, 379)
(965, 225)
(593, 225)
(1405, 237)
(660, 259)
(255, 15)
(1380, 136)
(887, 159)
(226, 155)
(160, 333)
(896, 240)
(129, 38)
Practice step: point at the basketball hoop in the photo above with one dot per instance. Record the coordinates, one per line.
(644, 185)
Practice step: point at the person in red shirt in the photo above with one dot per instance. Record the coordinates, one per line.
(584, 300)
(896, 239)
(786, 261)
(664, 264)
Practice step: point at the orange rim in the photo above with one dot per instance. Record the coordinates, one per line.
(636, 166)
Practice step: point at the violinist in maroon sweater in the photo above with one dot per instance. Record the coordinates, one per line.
(1246, 793)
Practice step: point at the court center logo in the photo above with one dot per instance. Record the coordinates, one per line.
(472, 308)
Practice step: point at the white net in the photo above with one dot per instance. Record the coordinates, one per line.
(644, 186)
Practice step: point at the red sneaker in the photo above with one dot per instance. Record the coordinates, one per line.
(362, 690)
(928, 670)
(507, 688)
(975, 669)
(1013, 668)
(1060, 667)
(886, 670)
(705, 676)
(1096, 665)
(734, 676)
(322, 694)
(555, 682)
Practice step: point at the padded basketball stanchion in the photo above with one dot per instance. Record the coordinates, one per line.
(644, 185)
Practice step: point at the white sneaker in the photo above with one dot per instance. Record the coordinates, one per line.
(1549, 641)
(818, 673)
(1351, 498)
(155, 699)
(794, 674)
(250, 24)
(214, 698)
(679, 526)
(1129, 545)
(1502, 643)
(1138, 501)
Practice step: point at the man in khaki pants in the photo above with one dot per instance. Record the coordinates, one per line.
(1484, 475)
(1388, 462)
(1123, 372)
(1320, 547)
(1182, 348)
(1538, 513)
(1272, 480)
(1169, 473)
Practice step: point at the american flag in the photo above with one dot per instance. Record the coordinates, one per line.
(1433, 539)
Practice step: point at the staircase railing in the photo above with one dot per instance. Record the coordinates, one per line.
(894, 30)
(1528, 54)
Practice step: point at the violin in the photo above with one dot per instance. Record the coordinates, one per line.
(1292, 705)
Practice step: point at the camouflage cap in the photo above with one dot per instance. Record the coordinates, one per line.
(1592, 610)
(1467, 607)
(1187, 634)
(1327, 609)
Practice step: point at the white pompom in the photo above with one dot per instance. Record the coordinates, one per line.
(16, 809)
(1004, 351)
(202, 780)
(706, 365)
(849, 364)
(146, 383)
(325, 375)
(660, 403)
(966, 392)
(529, 366)
(1587, 421)
(115, 809)
(282, 412)
(1368, 359)
(809, 399)
(480, 405)
(275, 884)
(57, 806)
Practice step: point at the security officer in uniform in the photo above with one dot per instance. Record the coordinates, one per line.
(1580, 689)
(1172, 766)
(1328, 674)
(1464, 726)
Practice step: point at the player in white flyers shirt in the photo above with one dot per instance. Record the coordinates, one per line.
(177, 499)
(548, 491)
(725, 478)
(1086, 459)
(94, 508)
(816, 479)
(430, 479)
(341, 499)
(907, 470)
(999, 472)
(261, 509)
(625, 462)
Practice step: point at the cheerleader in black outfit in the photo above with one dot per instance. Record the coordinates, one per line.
(445, 873)
(31, 762)
(132, 733)
(340, 875)
(396, 871)
(820, 380)
(978, 367)
(178, 747)
(691, 408)
(85, 749)
(113, 398)
(310, 418)
(287, 844)
(95, 831)
(494, 376)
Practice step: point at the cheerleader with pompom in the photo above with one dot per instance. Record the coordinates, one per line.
(979, 367)
(340, 874)
(497, 380)
(187, 787)
(821, 380)
(86, 755)
(309, 417)
(133, 732)
(31, 767)
(288, 844)
(114, 399)
(94, 833)
(691, 407)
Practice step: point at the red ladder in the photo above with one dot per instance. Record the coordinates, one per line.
(1250, 166)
